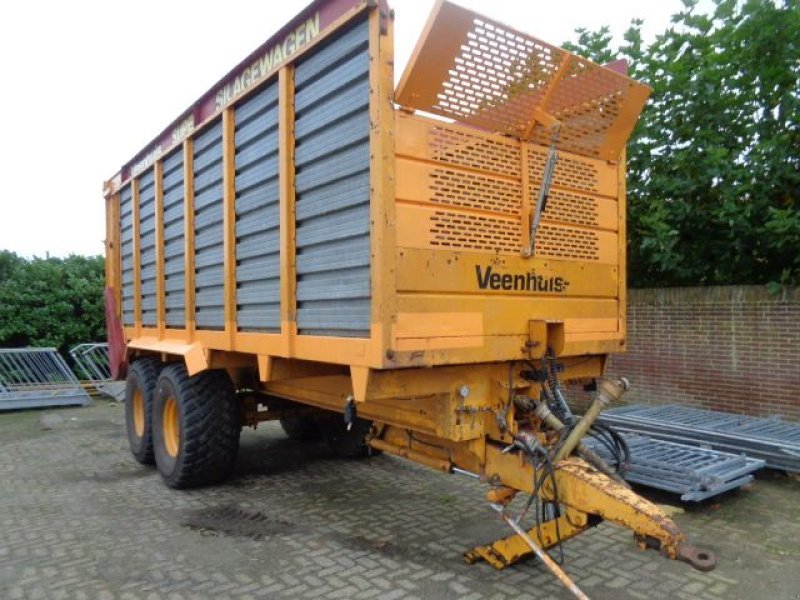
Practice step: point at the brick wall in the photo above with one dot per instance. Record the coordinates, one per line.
(733, 348)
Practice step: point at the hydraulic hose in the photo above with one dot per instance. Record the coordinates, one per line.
(607, 391)
(586, 453)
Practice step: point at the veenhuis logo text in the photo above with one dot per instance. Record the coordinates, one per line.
(488, 279)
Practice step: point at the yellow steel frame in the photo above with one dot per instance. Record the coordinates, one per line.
(421, 311)
(423, 416)
(622, 261)
(229, 225)
(287, 213)
(382, 185)
(420, 316)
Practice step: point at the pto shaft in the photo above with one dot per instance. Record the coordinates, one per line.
(607, 391)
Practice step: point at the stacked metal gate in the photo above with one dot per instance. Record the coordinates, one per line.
(92, 365)
(775, 441)
(37, 377)
(694, 473)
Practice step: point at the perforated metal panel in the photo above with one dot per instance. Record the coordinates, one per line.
(465, 149)
(474, 232)
(569, 207)
(174, 240)
(556, 241)
(126, 254)
(569, 173)
(147, 247)
(332, 187)
(483, 73)
(208, 229)
(470, 190)
(258, 284)
(475, 193)
(478, 173)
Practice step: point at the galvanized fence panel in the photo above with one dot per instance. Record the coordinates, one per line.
(93, 366)
(770, 439)
(91, 361)
(37, 377)
(694, 473)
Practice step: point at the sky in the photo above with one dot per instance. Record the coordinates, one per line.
(86, 85)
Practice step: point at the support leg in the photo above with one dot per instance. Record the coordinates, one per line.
(505, 552)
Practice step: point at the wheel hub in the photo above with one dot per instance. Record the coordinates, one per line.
(138, 412)
(171, 427)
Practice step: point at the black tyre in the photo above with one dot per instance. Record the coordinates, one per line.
(346, 443)
(301, 429)
(196, 425)
(139, 388)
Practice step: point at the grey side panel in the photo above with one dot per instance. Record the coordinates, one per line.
(174, 239)
(208, 229)
(332, 187)
(126, 254)
(257, 216)
(147, 246)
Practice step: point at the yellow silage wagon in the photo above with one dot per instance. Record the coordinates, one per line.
(410, 270)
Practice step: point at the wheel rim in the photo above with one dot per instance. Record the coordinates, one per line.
(172, 427)
(138, 412)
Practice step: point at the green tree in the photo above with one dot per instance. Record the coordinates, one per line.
(714, 162)
(9, 262)
(51, 302)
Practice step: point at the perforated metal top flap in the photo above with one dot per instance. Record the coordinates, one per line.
(482, 73)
